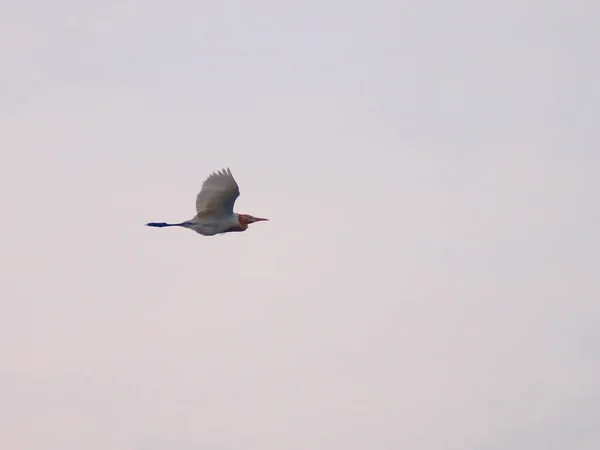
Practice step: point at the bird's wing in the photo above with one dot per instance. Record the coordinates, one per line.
(218, 194)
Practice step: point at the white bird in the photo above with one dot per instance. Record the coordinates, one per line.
(214, 208)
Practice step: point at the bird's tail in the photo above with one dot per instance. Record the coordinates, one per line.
(163, 224)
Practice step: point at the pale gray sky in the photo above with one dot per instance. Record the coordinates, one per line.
(429, 277)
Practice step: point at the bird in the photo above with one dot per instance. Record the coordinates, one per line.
(214, 208)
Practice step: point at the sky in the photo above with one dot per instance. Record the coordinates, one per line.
(428, 277)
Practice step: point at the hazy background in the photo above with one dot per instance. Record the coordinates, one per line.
(429, 277)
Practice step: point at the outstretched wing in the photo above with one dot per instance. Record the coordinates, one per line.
(218, 194)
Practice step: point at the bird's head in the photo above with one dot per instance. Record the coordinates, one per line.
(247, 219)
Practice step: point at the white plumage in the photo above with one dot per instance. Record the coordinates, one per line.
(218, 194)
(214, 208)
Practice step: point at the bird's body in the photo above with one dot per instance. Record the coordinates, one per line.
(214, 208)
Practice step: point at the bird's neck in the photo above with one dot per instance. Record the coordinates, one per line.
(241, 225)
(243, 221)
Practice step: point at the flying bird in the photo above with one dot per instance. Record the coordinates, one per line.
(214, 208)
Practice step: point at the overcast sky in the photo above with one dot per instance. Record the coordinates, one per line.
(429, 276)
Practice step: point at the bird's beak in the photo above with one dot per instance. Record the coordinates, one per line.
(259, 219)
